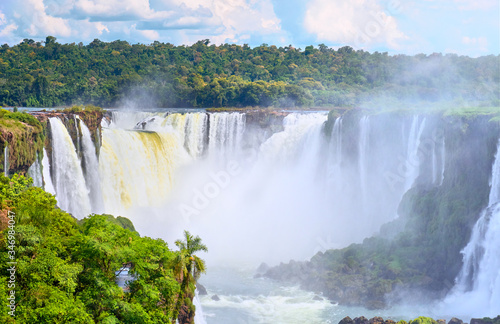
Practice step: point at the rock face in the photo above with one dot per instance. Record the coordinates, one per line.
(202, 291)
(24, 138)
(419, 320)
(485, 320)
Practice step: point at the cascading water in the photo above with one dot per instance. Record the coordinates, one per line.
(47, 179)
(334, 167)
(35, 172)
(477, 289)
(76, 120)
(70, 187)
(412, 157)
(91, 168)
(364, 138)
(137, 167)
(226, 133)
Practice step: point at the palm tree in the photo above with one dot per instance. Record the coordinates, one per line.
(187, 266)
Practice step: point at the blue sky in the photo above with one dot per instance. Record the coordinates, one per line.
(464, 27)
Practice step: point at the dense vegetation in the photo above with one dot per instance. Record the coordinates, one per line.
(46, 74)
(24, 135)
(66, 270)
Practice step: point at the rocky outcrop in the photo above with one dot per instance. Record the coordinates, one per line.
(485, 320)
(92, 120)
(24, 138)
(418, 320)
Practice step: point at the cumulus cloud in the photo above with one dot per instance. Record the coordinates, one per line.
(476, 4)
(177, 20)
(362, 23)
(220, 20)
(480, 43)
(36, 22)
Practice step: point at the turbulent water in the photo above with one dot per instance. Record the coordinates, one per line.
(257, 196)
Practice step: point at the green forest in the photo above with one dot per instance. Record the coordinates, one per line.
(56, 269)
(112, 74)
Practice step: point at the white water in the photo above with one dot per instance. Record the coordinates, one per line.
(199, 317)
(364, 138)
(35, 172)
(91, 168)
(47, 179)
(412, 156)
(477, 289)
(71, 190)
(226, 133)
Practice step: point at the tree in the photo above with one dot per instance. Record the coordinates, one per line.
(188, 267)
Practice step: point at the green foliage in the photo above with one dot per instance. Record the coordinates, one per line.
(423, 320)
(66, 270)
(86, 108)
(204, 75)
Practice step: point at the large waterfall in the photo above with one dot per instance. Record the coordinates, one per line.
(71, 191)
(256, 195)
(477, 290)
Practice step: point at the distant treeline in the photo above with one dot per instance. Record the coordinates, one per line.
(47, 74)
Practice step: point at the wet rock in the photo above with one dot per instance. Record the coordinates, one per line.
(346, 320)
(215, 297)
(455, 320)
(318, 298)
(202, 291)
(263, 268)
(361, 320)
(376, 320)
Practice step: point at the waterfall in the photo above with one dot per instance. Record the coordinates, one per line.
(35, 172)
(138, 167)
(6, 160)
(364, 138)
(71, 190)
(412, 163)
(91, 168)
(477, 289)
(335, 157)
(47, 179)
(190, 128)
(198, 317)
(76, 119)
(226, 133)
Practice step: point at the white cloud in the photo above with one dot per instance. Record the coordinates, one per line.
(220, 20)
(150, 34)
(479, 43)
(34, 21)
(3, 20)
(362, 23)
(476, 4)
(7, 31)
